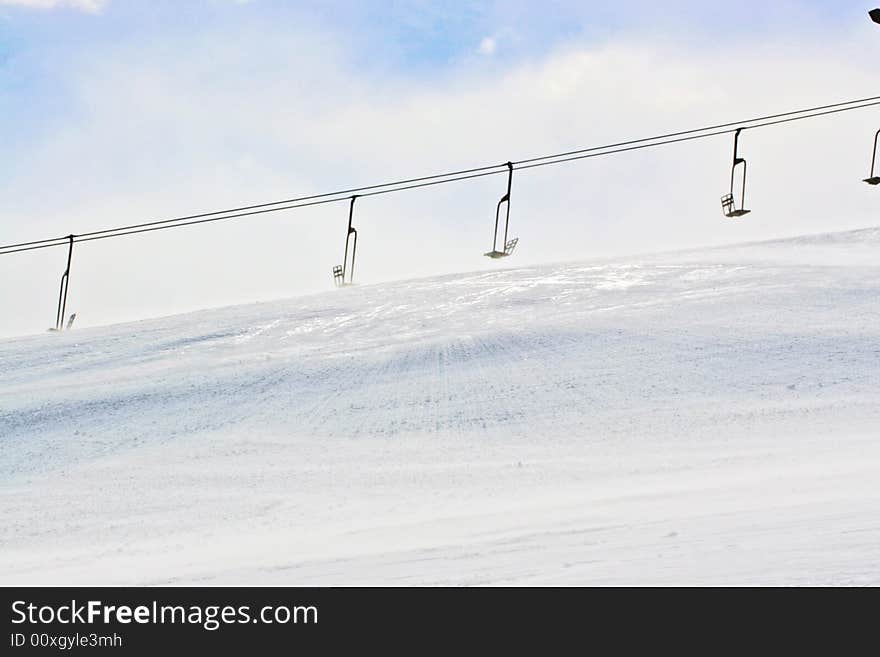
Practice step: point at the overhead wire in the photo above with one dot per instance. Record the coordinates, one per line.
(448, 177)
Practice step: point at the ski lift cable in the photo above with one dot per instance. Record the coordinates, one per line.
(531, 163)
(59, 241)
(705, 129)
(267, 210)
(437, 179)
(344, 194)
(689, 138)
(121, 232)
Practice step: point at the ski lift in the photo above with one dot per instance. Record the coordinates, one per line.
(509, 245)
(62, 292)
(728, 203)
(340, 271)
(872, 179)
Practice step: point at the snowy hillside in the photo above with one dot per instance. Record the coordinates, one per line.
(704, 417)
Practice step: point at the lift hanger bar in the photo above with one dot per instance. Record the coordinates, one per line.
(340, 271)
(728, 202)
(872, 179)
(507, 245)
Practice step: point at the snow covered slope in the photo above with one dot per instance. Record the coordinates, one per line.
(703, 417)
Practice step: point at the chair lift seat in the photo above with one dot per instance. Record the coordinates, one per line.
(728, 207)
(875, 180)
(508, 249)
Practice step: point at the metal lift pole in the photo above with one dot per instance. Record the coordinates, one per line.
(872, 179)
(62, 292)
(347, 236)
(728, 202)
(735, 162)
(507, 246)
(507, 196)
(742, 199)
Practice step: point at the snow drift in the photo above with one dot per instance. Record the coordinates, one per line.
(703, 417)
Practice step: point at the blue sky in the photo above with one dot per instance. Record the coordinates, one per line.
(120, 111)
(43, 41)
(418, 37)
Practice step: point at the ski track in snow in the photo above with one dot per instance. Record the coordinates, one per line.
(707, 417)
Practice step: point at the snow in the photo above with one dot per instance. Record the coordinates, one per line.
(703, 417)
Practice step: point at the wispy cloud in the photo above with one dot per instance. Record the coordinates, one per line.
(92, 6)
(487, 46)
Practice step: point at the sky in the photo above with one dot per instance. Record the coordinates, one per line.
(121, 111)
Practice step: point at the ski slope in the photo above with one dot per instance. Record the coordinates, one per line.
(703, 417)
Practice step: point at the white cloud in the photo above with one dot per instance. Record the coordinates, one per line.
(487, 46)
(92, 6)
